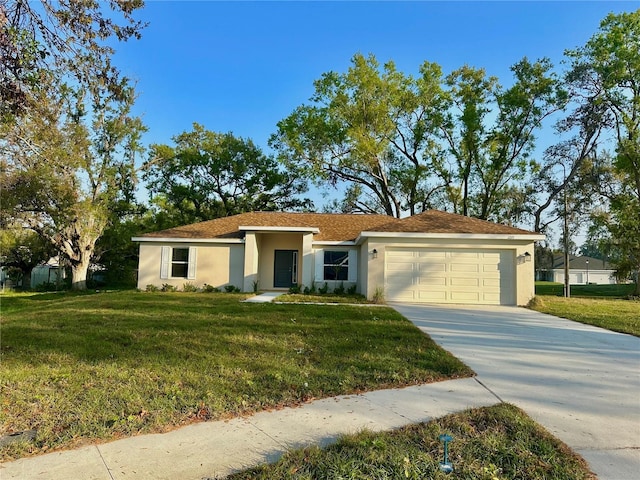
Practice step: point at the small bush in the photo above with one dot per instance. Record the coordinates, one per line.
(231, 289)
(378, 295)
(307, 291)
(324, 289)
(209, 288)
(168, 288)
(295, 289)
(151, 288)
(255, 286)
(189, 287)
(339, 290)
(352, 289)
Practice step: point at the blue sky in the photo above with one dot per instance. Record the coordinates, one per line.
(243, 66)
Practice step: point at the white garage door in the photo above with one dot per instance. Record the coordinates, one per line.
(429, 275)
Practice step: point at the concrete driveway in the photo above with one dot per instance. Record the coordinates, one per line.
(582, 383)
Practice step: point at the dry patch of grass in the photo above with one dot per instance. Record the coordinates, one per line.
(492, 443)
(84, 367)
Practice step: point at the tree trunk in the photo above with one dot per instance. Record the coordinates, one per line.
(79, 271)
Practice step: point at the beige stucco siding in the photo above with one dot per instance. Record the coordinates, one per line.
(522, 272)
(216, 265)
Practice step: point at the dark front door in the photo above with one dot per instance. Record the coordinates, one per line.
(285, 270)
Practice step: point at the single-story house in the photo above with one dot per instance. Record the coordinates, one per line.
(433, 257)
(582, 271)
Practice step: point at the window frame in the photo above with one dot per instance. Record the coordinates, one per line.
(167, 262)
(338, 267)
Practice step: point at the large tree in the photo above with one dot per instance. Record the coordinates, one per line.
(489, 131)
(608, 67)
(68, 139)
(209, 175)
(403, 144)
(372, 128)
(63, 165)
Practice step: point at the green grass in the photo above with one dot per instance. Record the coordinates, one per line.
(611, 291)
(613, 314)
(328, 298)
(82, 367)
(493, 443)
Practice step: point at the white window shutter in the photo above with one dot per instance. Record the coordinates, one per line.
(353, 266)
(165, 261)
(191, 271)
(319, 264)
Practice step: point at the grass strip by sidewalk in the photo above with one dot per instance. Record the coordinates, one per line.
(491, 443)
(613, 314)
(84, 367)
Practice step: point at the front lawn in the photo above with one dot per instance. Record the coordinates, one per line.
(82, 367)
(492, 443)
(613, 314)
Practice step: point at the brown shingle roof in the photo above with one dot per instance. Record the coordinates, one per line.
(333, 227)
(337, 227)
(435, 221)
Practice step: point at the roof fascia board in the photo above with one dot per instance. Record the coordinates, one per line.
(453, 236)
(251, 228)
(186, 240)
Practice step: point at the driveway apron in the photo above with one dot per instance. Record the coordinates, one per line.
(580, 382)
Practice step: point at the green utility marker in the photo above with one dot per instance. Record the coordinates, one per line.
(446, 466)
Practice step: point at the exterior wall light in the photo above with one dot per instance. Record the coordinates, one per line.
(374, 254)
(527, 257)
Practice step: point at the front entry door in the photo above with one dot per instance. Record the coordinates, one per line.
(285, 270)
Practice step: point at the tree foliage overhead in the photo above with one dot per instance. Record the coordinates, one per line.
(608, 71)
(67, 36)
(372, 127)
(209, 175)
(403, 144)
(490, 135)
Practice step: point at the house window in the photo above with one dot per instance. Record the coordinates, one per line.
(336, 265)
(179, 262)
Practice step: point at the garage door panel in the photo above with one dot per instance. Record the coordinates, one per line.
(431, 296)
(464, 282)
(432, 281)
(450, 275)
(465, 297)
(432, 268)
(431, 255)
(464, 267)
(401, 267)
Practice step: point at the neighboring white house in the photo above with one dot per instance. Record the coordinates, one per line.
(48, 272)
(582, 271)
(432, 257)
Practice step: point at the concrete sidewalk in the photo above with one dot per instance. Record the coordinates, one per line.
(215, 449)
